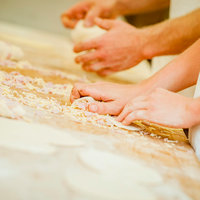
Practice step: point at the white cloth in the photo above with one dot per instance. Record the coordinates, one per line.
(194, 133)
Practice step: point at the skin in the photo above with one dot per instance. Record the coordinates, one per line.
(155, 105)
(110, 55)
(110, 100)
(162, 107)
(90, 9)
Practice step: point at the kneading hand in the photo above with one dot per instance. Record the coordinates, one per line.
(164, 108)
(89, 10)
(110, 97)
(119, 49)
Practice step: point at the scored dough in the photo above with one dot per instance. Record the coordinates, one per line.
(33, 138)
(113, 177)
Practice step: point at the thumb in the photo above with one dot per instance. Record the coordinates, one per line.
(104, 23)
(104, 108)
(91, 15)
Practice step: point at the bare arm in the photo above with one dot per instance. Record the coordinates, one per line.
(167, 38)
(90, 9)
(179, 74)
(125, 7)
(164, 107)
(172, 36)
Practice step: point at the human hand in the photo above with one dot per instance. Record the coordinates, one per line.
(162, 107)
(119, 49)
(111, 98)
(89, 10)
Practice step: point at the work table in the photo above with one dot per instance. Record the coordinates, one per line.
(26, 175)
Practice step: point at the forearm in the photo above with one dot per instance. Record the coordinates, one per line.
(172, 36)
(126, 7)
(179, 74)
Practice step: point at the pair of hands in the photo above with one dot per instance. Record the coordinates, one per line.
(130, 103)
(121, 48)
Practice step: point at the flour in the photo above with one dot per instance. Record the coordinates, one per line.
(34, 138)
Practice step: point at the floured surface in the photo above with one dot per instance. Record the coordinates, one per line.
(105, 175)
(34, 138)
(54, 175)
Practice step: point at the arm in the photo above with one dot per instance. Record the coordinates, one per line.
(156, 105)
(167, 38)
(179, 74)
(164, 107)
(90, 9)
(172, 36)
(126, 7)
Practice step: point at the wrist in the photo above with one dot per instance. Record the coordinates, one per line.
(149, 49)
(146, 86)
(194, 108)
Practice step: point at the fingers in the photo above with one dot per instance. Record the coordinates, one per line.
(91, 15)
(106, 24)
(137, 115)
(69, 23)
(92, 44)
(141, 105)
(77, 91)
(104, 108)
(93, 90)
(105, 72)
(87, 58)
(93, 67)
(73, 15)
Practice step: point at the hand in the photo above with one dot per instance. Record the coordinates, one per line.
(118, 49)
(161, 107)
(89, 10)
(111, 98)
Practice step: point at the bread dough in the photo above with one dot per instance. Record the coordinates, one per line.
(10, 52)
(33, 138)
(112, 177)
(136, 74)
(82, 34)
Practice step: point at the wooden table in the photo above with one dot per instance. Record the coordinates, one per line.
(34, 176)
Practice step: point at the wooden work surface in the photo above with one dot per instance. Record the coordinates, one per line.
(33, 176)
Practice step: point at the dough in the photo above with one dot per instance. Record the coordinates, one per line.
(10, 52)
(112, 177)
(33, 138)
(138, 73)
(81, 34)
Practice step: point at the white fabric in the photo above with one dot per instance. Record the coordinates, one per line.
(194, 133)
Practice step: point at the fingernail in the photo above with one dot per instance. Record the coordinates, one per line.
(93, 108)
